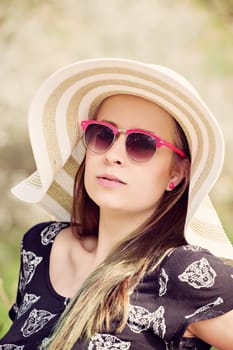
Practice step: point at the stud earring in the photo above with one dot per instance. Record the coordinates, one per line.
(171, 186)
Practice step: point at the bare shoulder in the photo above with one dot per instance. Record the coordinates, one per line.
(66, 240)
(63, 241)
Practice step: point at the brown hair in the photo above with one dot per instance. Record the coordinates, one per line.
(102, 301)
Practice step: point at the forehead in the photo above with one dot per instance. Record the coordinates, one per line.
(129, 111)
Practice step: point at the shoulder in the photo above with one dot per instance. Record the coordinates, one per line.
(194, 267)
(186, 255)
(43, 233)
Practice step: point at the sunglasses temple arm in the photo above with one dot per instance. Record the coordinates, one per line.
(173, 148)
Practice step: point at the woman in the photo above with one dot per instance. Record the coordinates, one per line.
(123, 257)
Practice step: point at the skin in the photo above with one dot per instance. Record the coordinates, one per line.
(125, 206)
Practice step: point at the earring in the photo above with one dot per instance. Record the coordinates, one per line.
(171, 186)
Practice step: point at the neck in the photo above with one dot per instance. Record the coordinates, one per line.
(114, 227)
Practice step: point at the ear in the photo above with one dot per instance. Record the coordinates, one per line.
(179, 171)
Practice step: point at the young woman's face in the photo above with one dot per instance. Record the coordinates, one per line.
(112, 179)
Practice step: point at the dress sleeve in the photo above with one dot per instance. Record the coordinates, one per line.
(198, 287)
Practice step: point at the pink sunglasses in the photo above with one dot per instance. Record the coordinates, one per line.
(141, 145)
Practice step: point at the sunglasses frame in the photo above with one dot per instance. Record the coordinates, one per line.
(159, 142)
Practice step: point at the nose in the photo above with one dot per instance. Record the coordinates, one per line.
(117, 154)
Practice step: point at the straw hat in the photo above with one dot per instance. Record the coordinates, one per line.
(74, 92)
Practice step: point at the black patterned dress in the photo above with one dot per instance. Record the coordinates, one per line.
(190, 285)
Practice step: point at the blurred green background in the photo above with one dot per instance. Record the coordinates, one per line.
(37, 37)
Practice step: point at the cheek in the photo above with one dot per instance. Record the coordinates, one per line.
(160, 172)
(147, 192)
(154, 186)
(89, 168)
(155, 180)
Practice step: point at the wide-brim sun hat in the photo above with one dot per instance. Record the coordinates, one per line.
(74, 93)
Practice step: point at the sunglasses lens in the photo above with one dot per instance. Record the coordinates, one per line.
(140, 147)
(98, 138)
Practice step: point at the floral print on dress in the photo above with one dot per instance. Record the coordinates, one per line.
(50, 232)
(163, 280)
(28, 301)
(206, 307)
(140, 320)
(36, 321)
(199, 274)
(159, 325)
(30, 261)
(108, 342)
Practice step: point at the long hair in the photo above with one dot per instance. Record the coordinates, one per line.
(101, 304)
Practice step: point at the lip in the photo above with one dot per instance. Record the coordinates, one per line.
(110, 180)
